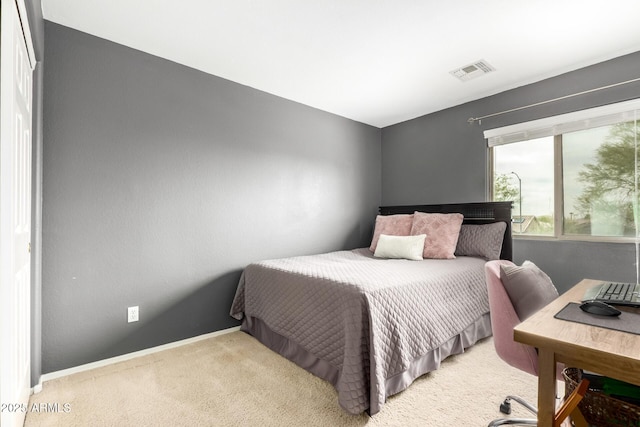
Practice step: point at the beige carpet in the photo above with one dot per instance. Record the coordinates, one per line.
(232, 380)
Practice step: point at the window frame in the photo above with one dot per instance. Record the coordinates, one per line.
(558, 177)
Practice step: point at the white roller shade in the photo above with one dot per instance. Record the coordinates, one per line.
(570, 122)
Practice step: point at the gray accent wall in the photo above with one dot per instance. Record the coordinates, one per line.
(441, 158)
(161, 183)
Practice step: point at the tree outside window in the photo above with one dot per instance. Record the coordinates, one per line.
(607, 183)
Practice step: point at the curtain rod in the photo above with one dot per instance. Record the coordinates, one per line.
(479, 119)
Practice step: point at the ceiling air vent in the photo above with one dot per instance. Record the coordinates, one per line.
(472, 71)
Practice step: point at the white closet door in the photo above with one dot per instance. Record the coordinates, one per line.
(15, 215)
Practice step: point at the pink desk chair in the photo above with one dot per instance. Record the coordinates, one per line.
(503, 319)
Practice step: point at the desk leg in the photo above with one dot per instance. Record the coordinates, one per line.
(546, 387)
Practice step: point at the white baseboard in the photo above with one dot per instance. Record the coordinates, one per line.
(105, 362)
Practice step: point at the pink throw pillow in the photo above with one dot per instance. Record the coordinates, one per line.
(392, 225)
(442, 232)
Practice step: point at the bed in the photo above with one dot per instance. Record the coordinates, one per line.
(371, 325)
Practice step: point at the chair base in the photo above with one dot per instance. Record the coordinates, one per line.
(505, 408)
(513, 421)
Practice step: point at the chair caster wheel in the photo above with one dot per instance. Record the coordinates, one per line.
(505, 407)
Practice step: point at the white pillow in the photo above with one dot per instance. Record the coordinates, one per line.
(407, 247)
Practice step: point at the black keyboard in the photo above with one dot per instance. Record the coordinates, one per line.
(615, 293)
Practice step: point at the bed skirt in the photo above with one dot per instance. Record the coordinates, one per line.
(478, 330)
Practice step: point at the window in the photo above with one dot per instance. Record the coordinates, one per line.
(571, 176)
(599, 185)
(523, 173)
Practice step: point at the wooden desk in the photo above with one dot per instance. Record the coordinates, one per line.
(612, 353)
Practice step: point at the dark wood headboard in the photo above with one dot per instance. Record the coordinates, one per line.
(474, 213)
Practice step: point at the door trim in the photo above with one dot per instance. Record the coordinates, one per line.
(16, 219)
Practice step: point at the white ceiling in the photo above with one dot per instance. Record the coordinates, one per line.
(379, 62)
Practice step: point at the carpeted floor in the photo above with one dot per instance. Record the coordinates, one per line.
(232, 380)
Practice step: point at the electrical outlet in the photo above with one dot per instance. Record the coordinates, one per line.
(132, 314)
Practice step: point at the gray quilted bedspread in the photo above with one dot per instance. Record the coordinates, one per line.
(368, 317)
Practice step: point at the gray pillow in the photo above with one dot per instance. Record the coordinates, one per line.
(528, 287)
(481, 240)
